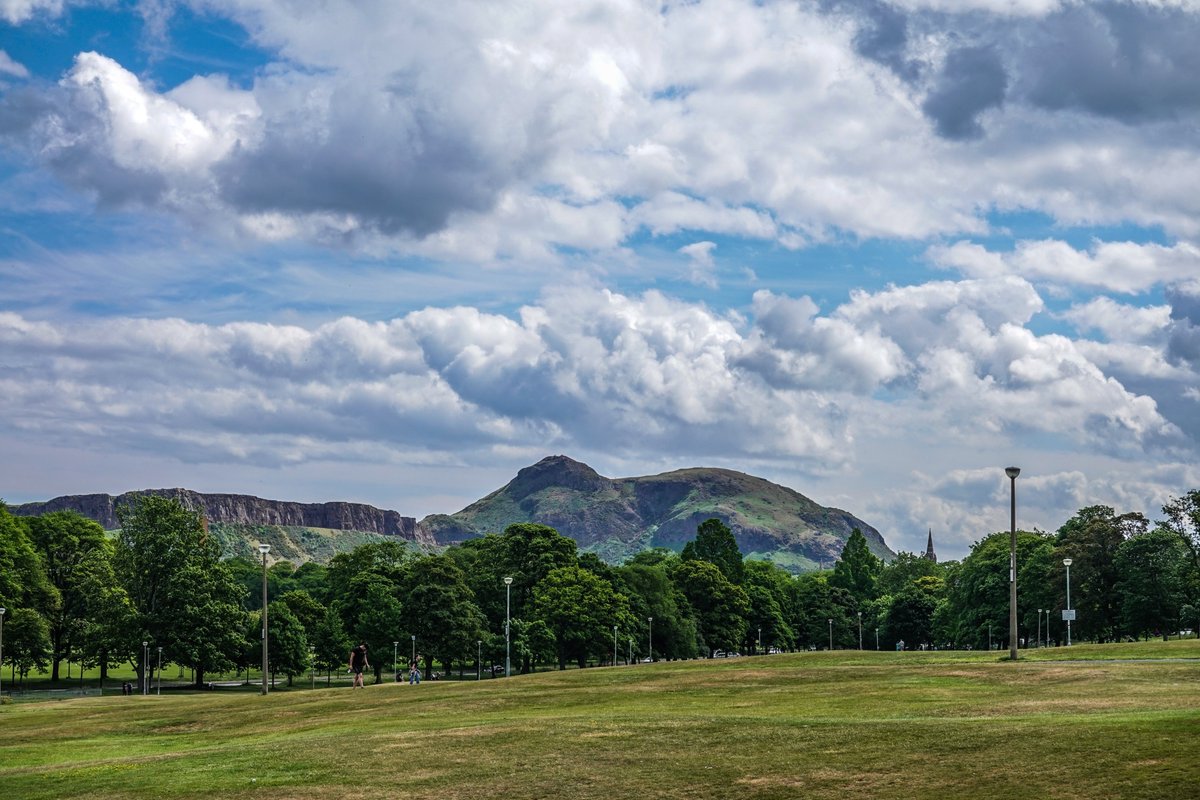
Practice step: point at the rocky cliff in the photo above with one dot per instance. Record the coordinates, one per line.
(244, 510)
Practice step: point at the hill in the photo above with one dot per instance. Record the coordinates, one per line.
(616, 518)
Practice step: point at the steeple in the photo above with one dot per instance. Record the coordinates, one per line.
(929, 554)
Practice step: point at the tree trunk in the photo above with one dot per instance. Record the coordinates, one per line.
(199, 683)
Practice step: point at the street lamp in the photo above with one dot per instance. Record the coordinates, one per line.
(650, 636)
(877, 638)
(831, 634)
(478, 659)
(1012, 473)
(395, 658)
(159, 681)
(413, 660)
(1039, 639)
(507, 623)
(1047, 627)
(614, 645)
(1069, 613)
(2, 610)
(629, 654)
(860, 630)
(145, 667)
(760, 641)
(264, 549)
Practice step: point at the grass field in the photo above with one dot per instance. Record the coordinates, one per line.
(1114, 721)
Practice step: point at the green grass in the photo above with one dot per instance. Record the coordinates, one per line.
(1111, 721)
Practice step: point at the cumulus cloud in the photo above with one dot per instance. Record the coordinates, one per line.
(1127, 267)
(971, 81)
(17, 11)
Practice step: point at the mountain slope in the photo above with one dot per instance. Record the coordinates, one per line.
(616, 518)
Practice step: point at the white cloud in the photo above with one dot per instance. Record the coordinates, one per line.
(10, 67)
(1119, 322)
(1116, 266)
(17, 11)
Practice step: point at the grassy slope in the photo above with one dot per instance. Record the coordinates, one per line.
(833, 725)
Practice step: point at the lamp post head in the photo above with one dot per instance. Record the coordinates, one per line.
(264, 548)
(395, 644)
(508, 581)
(414, 637)
(649, 619)
(1066, 562)
(145, 643)
(160, 648)
(1012, 472)
(2, 610)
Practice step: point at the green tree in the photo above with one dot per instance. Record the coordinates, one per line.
(905, 568)
(716, 544)
(979, 593)
(1152, 567)
(580, 609)
(307, 610)
(330, 643)
(440, 609)
(767, 587)
(64, 539)
(26, 641)
(110, 624)
(651, 593)
(857, 571)
(719, 606)
(23, 580)
(375, 617)
(910, 617)
(183, 598)
(1092, 539)
(287, 644)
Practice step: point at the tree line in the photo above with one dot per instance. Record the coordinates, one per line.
(73, 593)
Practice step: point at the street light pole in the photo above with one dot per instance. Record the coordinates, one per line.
(507, 624)
(650, 636)
(395, 658)
(614, 645)
(860, 630)
(145, 667)
(831, 634)
(1012, 473)
(159, 682)
(877, 638)
(1069, 614)
(264, 549)
(1039, 639)
(413, 660)
(478, 659)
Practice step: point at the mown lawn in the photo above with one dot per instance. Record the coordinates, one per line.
(1059, 724)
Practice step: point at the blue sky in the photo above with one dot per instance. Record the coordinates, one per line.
(875, 250)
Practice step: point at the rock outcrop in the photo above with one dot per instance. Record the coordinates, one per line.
(246, 510)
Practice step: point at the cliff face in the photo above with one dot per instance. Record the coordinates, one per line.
(244, 509)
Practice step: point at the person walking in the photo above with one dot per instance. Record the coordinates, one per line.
(414, 674)
(358, 663)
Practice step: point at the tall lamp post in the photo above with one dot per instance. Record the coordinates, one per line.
(145, 668)
(1012, 473)
(759, 646)
(1069, 613)
(478, 659)
(158, 683)
(877, 638)
(264, 549)
(395, 659)
(2, 610)
(413, 659)
(860, 630)
(1039, 639)
(614, 645)
(650, 636)
(507, 623)
(831, 634)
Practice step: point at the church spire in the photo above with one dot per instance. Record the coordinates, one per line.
(929, 554)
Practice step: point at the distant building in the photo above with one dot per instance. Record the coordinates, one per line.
(929, 554)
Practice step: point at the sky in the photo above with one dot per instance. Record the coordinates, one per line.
(392, 252)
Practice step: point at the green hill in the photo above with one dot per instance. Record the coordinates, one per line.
(616, 518)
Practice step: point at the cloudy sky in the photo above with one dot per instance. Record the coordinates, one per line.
(391, 252)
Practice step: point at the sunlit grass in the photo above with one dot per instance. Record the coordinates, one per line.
(1060, 723)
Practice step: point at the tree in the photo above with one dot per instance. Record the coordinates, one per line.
(1152, 567)
(287, 645)
(905, 568)
(375, 616)
(110, 621)
(307, 610)
(26, 641)
(857, 571)
(1091, 539)
(720, 607)
(183, 598)
(330, 643)
(64, 539)
(579, 609)
(440, 609)
(767, 587)
(716, 544)
(651, 593)
(979, 592)
(23, 580)
(910, 616)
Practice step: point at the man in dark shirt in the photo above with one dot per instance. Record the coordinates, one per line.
(358, 663)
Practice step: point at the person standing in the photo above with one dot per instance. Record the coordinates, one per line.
(414, 674)
(358, 663)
